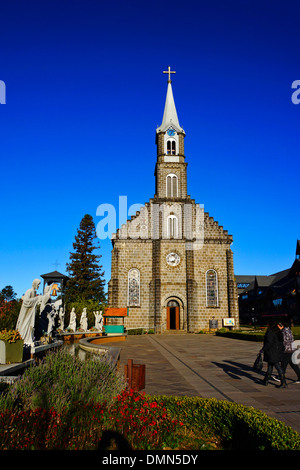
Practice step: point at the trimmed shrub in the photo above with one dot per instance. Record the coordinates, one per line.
(245, 335)
(239, 427)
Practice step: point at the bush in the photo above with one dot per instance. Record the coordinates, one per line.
(240, 334)
(9, 312)
(140, 331)
(60, 380)
(256, 335)
(238, 427)
(135, 331)
(65, 403)
(145, 422)
(131, 418)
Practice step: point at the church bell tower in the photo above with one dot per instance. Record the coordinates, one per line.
(170, 170)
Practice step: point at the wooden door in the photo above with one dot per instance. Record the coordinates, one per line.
(173, 318)
(168, 317)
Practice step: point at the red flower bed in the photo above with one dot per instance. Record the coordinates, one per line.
(142, 424)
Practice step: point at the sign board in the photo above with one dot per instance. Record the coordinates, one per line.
(228, 321)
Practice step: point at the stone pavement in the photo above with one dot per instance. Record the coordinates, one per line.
(211, 366)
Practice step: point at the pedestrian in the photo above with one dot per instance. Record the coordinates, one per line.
(273, 351)
(289, 348)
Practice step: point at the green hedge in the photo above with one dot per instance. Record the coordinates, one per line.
(139, 331)
(255, 335)
(245, 335)
(239, 427)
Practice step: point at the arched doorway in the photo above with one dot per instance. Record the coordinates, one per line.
(173, 315)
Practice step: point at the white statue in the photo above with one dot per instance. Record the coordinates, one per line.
(98, 321)
(45, 297)
(51, 320)
(83, 320)
(26, 319)
(57, 304)
(72, 324)
(61, 318)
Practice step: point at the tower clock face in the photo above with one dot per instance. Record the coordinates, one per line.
(170, 132)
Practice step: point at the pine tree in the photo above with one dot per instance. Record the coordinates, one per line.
(86, 275)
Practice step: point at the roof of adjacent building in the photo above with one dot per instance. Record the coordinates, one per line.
(115, 312)
(54, 274)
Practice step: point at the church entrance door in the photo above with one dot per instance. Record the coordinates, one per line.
(173, 315)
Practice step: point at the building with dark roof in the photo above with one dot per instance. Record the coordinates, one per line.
(276, 295)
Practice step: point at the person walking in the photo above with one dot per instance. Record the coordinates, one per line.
(288, 340)
(273, 352)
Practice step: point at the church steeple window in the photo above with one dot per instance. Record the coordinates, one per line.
(171, 185)
(171, 147)
(172, 226)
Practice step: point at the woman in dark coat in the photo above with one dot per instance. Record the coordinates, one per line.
(273, 352)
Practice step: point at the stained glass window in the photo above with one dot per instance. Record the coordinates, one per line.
(134, 287)
(211, 288)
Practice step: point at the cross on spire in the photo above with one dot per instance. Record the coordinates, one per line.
(169, 72)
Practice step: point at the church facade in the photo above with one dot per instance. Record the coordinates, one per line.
(172, 263)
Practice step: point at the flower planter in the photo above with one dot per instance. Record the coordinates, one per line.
(79, 336)
(11, 352)
(68, 338)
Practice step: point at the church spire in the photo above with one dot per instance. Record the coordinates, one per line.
(170, 118)
(170, 169)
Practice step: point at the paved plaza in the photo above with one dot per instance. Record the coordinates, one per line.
(211, 366)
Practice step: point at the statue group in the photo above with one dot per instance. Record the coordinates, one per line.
(32, 326)
(84, 321)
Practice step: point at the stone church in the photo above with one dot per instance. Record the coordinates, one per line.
(172, 263)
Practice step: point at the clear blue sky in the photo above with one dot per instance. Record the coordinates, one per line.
(85, 92)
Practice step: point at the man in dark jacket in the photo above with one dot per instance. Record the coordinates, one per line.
(273, 352)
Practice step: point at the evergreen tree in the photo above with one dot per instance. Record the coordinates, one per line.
(86, 275)
(8, 293)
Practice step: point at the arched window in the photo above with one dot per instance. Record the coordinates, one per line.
(171, 147)
(172, 226)
(211, 288)
(172, 185)
(134, 287)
